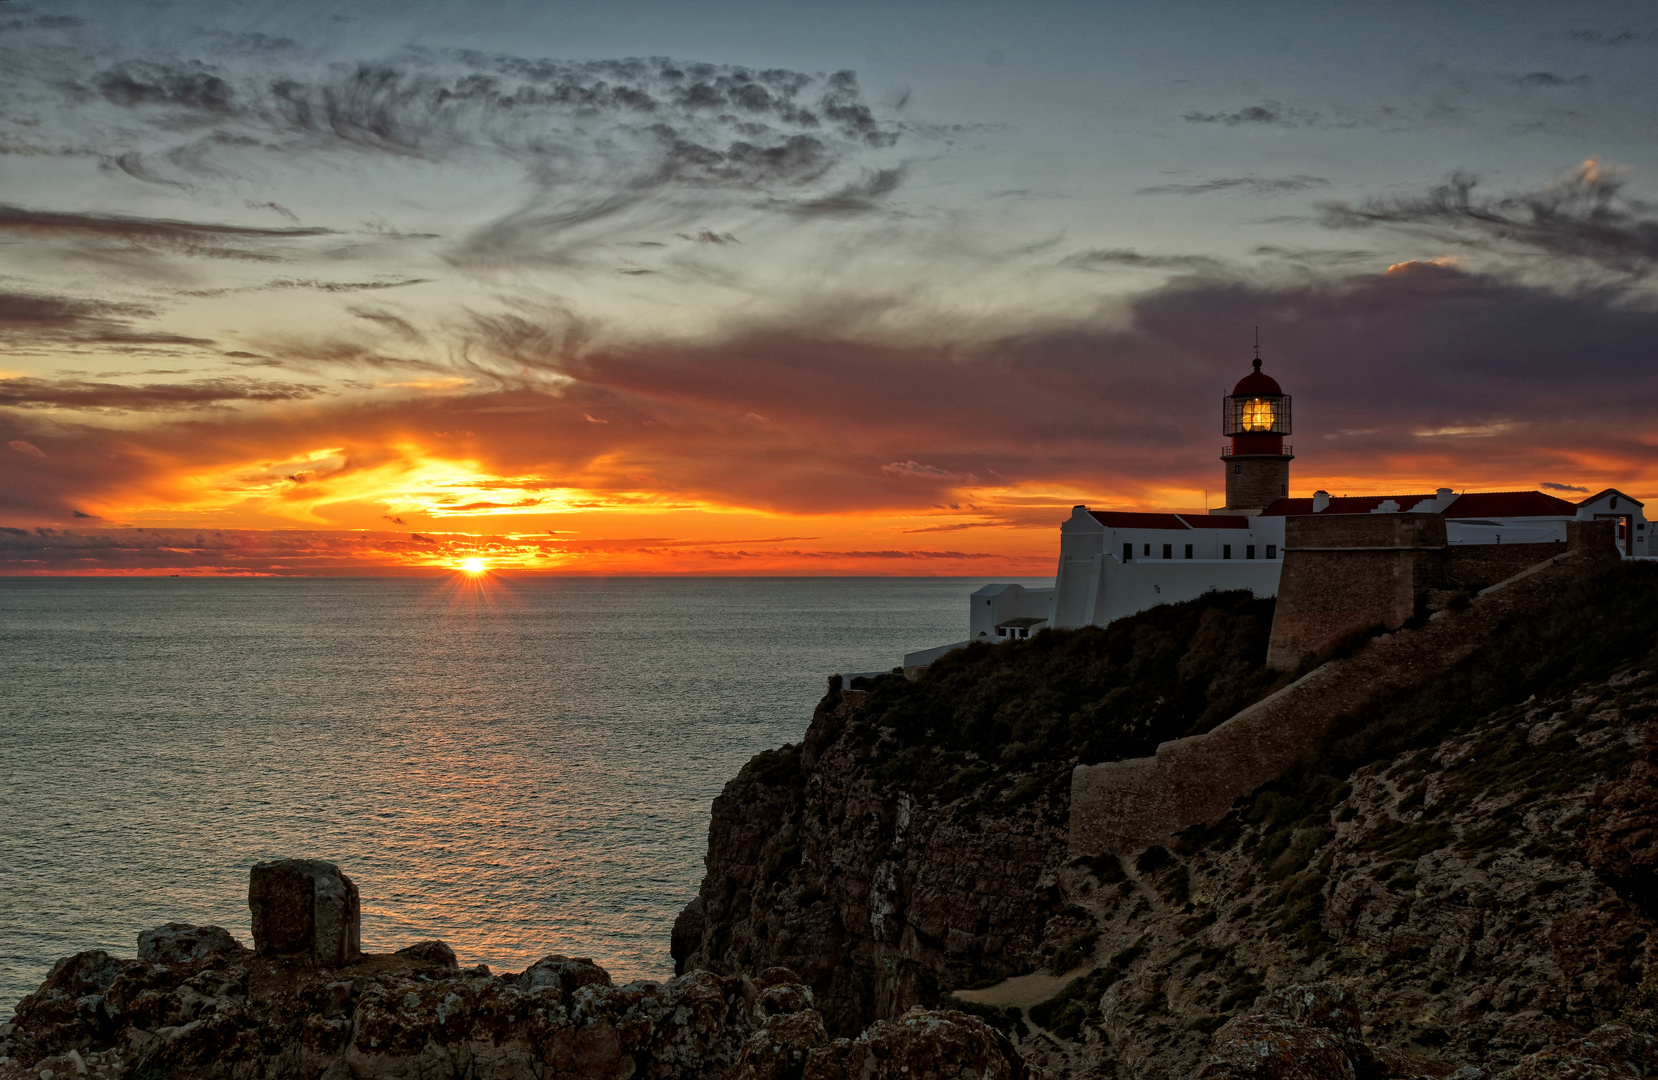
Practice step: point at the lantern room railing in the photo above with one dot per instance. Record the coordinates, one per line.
(1226, 452)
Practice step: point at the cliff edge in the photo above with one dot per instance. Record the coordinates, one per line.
(1471, 856)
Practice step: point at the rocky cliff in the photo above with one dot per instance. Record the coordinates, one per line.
(1473, 860)
(911, 844)
(197, 1005)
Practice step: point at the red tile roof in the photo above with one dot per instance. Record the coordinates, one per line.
(1129, 519)
(1216, 521)
(1510, 504)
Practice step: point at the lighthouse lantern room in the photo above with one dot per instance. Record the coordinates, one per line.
(1256, 417)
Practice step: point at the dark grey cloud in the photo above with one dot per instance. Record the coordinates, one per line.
(43, 22)
(427, 104)
(1334, 257)
(279, 284)
(190, 86)
(18, 219)
(1563, 487)
(32, 319)
(1539, 80)
(34, 393)
(1271, 113)
(858, 197)
(1252, 185)
(1585, 217)
(1614, 37)
(1097, 258)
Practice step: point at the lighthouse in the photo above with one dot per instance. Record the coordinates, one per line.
(1256, 417)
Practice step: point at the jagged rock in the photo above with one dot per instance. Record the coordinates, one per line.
(1619, 838)
(920, 1045)
(564, 973)
(1299, 1033)
(401, 1016)
(305, 908)
(68, 1008)
(1610, 1052)
(435, 953)
(686, 937)
(778, 1051)
(182, 942)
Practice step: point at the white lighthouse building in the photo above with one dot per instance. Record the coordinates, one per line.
(1114, 563)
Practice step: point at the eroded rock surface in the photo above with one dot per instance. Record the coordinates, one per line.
(196, 1007)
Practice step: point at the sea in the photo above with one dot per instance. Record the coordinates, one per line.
(517, 766)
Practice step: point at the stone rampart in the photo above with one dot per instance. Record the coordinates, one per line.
(1121, 806)
(1351, 573)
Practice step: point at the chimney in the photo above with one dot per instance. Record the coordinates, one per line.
(1321, 500)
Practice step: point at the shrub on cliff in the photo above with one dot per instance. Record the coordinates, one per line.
(1090, 694)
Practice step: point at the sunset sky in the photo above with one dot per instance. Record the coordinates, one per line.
(796, 288)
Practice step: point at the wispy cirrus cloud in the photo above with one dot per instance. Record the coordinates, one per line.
(34, 393)
(1248, 185)
(1266, 113)
(1587, 216)
(37, 321)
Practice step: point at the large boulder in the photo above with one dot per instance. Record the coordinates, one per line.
(304, 908)
(181, 943)
(920, 1045)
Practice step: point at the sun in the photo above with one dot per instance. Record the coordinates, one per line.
(474, 566)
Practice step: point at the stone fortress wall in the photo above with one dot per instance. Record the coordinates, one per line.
(1339, 574)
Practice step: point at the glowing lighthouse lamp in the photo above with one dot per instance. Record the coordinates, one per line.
(1256, 417)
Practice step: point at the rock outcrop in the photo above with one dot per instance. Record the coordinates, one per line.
(304, 908)
(196, 1005)
(1471, 856)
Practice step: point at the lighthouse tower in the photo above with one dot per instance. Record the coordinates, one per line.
(1256, 417)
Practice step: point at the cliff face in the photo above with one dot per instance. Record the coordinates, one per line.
(1473, 859)
(911, 843)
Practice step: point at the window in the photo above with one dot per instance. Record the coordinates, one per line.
(1168, 551)
(1226, 551)
(1272, 551)
(1128, 553)
(1613, 505)
(1147, 552)
(1237, 470)
(1188, 551)
(1249, 551)
(1001, 631)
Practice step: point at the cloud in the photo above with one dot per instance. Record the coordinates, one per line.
(1538, 80)
(32, 393)
(190, 86)
(858, 197)
(26, 448)
(1016, 427)
(27, 319)
(1564, 487)
(1252, 185)
(1097, 258)
(917, 470)
(1270, 113)
(1616, 37)
(1583, 217)
(120, 233)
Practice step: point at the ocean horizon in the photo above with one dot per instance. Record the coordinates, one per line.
(518, 766)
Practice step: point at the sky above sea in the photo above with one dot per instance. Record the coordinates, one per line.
(801, 288)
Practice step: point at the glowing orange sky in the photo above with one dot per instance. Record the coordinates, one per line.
(264, 313)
